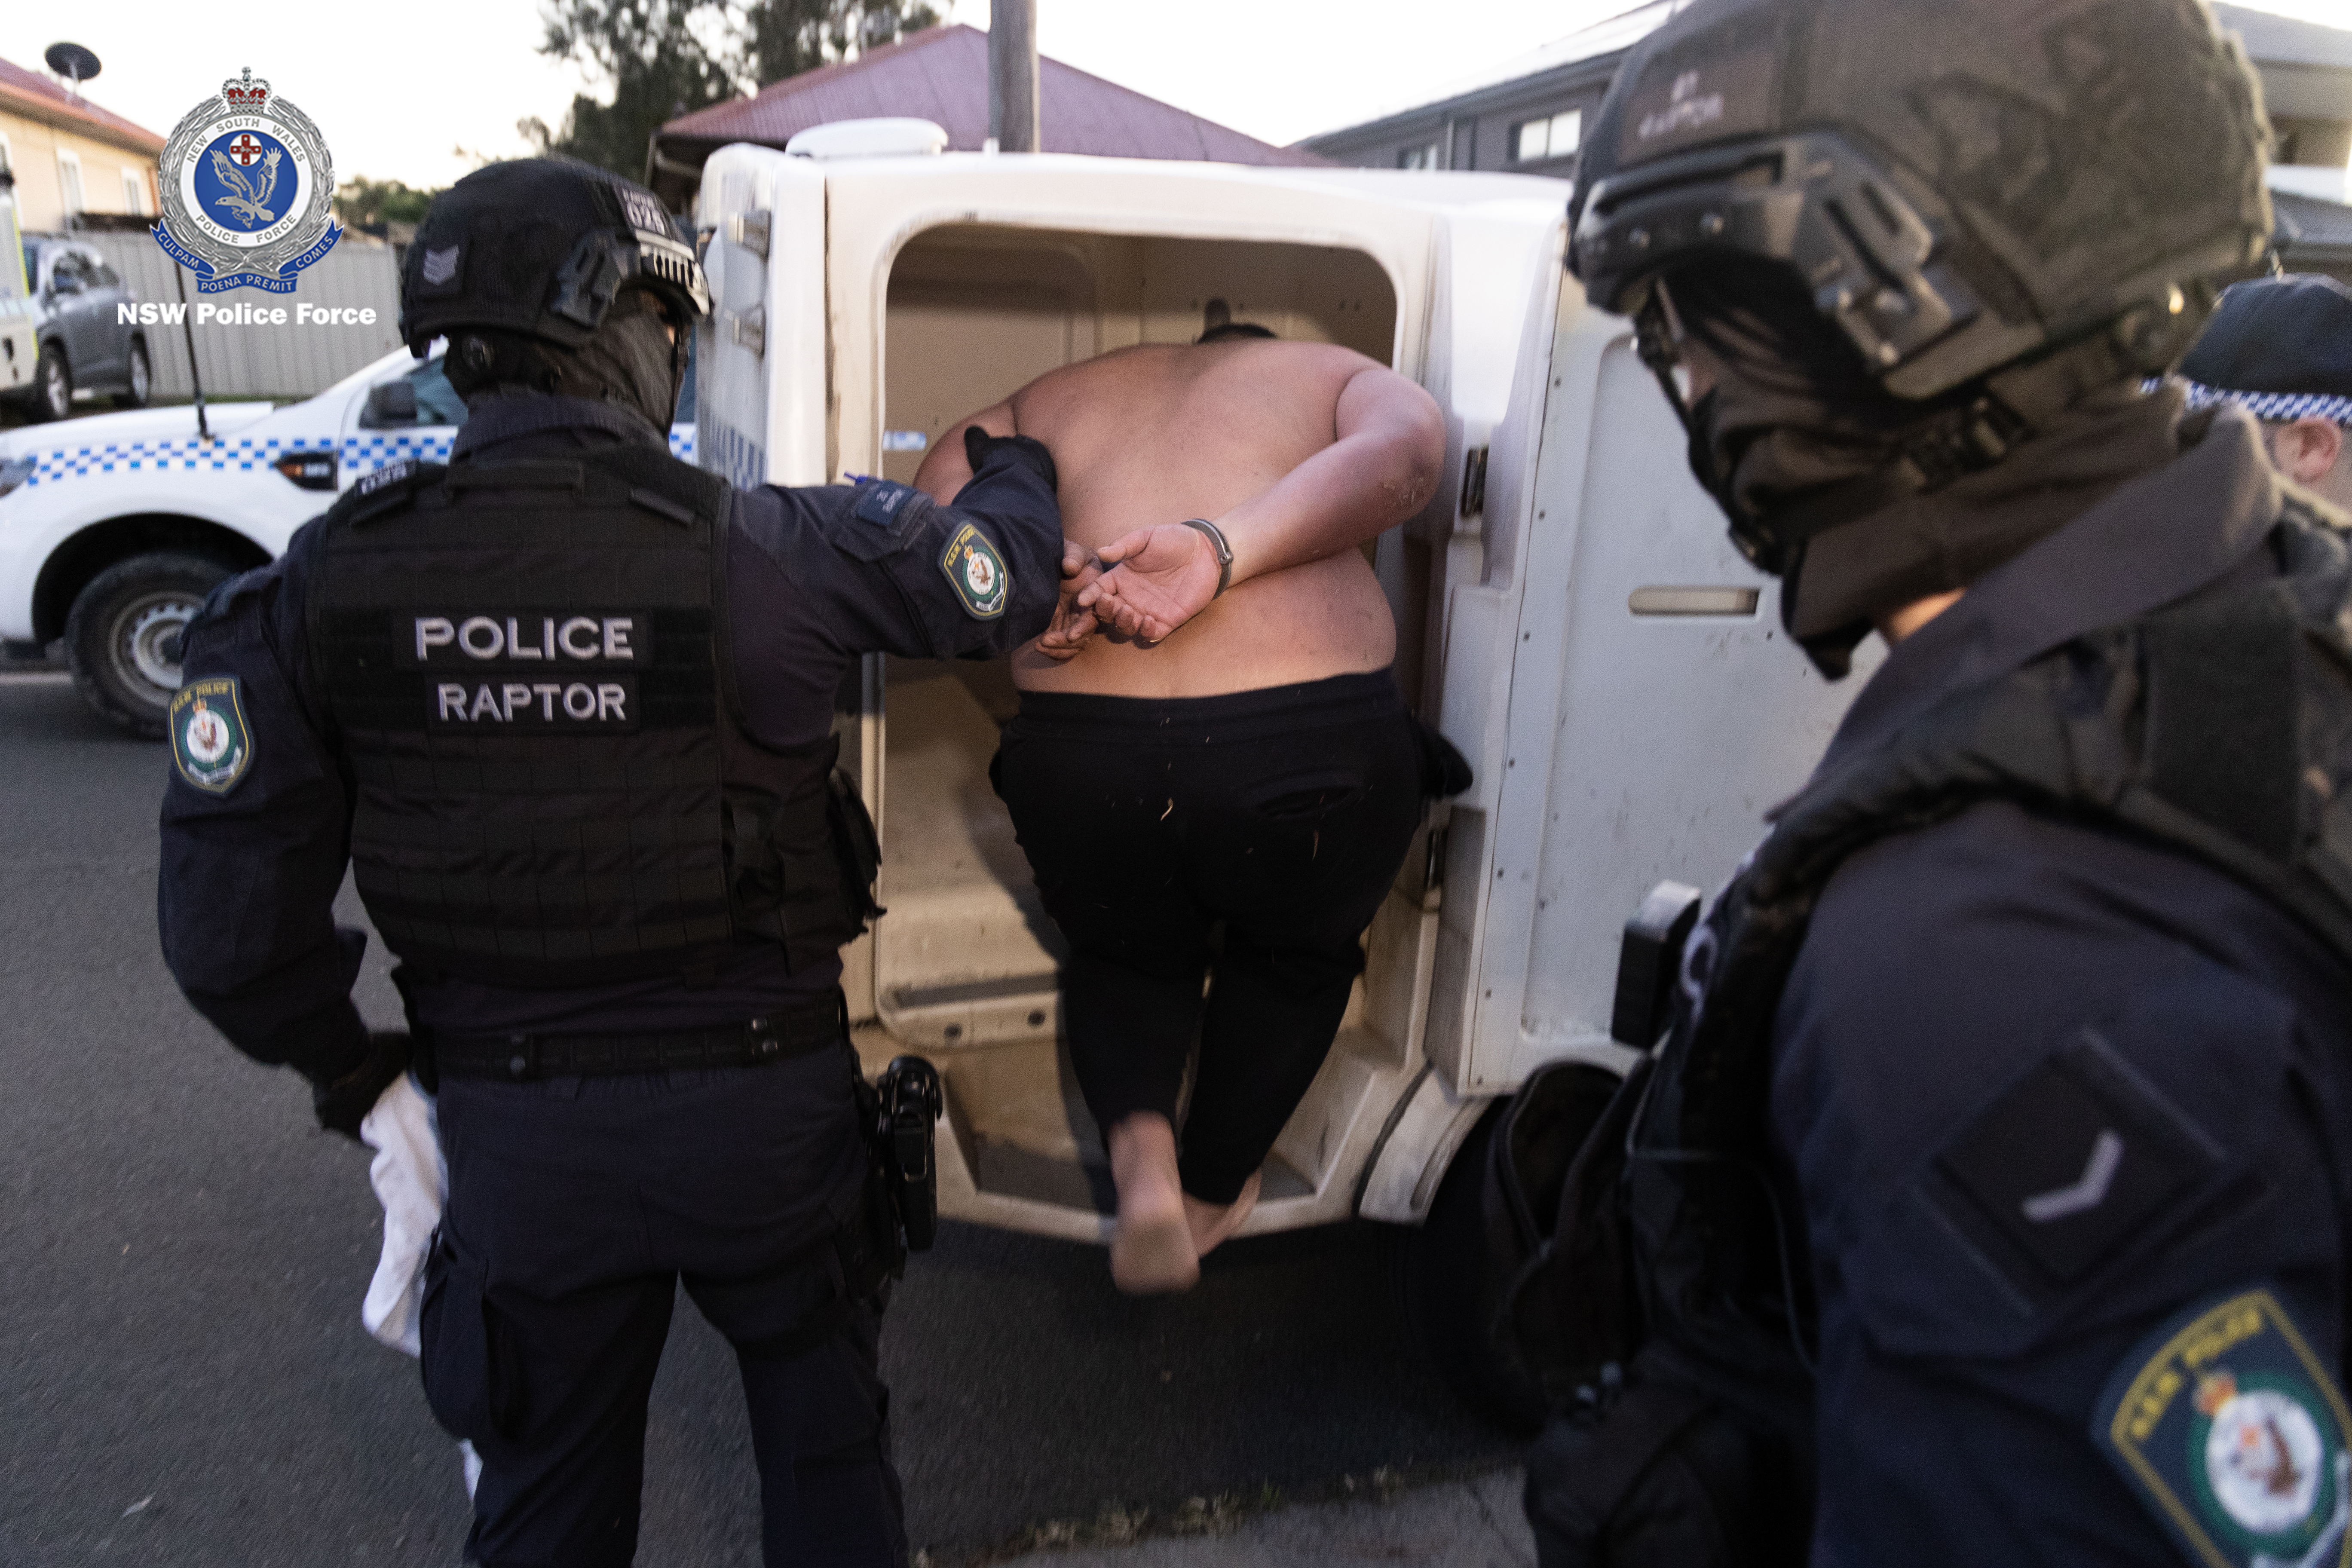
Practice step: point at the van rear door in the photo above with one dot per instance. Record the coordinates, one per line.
(759, 355)
(1622, 685)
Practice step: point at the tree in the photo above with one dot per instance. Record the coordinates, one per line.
(785, 38)
(660, 59)
(653, 59)
(369, 205)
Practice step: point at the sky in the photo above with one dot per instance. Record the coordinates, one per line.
(398, 91)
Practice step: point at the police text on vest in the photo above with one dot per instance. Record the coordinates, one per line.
(545, 702)
(527, 638)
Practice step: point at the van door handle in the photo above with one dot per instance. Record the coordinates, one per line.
(749, 328)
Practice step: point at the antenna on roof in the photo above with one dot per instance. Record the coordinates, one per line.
(74, 63)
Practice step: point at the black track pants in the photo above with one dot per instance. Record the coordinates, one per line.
(1283, 814)
(576, 1206)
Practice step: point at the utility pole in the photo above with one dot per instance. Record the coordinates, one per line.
(1013, 75)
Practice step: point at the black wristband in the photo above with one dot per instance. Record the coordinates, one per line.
(979, 446)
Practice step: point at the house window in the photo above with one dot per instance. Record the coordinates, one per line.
(134, 193)
(1424, 157)
(1555, 136)
(69, 178)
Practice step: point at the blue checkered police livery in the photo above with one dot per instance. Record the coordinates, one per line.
(357, 455)
(2282, 407)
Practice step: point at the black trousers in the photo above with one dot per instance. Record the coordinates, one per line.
(1280, 815)
(576, 1206)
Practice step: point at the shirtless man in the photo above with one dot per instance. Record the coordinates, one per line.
(1246, 761)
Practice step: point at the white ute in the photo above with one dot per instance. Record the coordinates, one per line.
(1568, 610)
(114, 528)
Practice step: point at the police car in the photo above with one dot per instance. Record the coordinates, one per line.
(114, 528)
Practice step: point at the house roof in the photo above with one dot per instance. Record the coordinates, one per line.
(941, 74)
(34, 95)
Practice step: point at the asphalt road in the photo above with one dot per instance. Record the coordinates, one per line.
(182, 1259)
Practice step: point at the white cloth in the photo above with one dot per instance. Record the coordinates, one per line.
(412, 1180)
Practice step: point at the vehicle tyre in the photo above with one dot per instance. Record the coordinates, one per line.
(142, 378)
(52, 385)
(122, 635)
(1448, 1290)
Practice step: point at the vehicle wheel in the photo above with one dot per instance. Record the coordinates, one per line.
(1446, 1281)
(52, 385)
(142, 378)
(122, 635)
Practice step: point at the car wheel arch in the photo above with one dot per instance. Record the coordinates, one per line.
(81, 557)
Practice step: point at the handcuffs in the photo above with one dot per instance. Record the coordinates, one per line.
(1216, 539)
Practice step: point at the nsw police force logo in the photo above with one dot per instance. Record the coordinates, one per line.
(246, 190)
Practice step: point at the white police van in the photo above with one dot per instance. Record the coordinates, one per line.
(1569, 612)
(114, 528)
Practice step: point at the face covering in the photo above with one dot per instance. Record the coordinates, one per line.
(630, 362)
(1794, 412)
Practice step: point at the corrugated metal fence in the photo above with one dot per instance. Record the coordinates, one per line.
(265, 361)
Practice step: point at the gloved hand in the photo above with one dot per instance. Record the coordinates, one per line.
(979, 446)
(343, 1104)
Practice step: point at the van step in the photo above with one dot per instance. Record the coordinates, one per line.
(1044, 989)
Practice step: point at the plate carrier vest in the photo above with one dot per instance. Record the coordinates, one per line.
(617, 823)
(2220, 727)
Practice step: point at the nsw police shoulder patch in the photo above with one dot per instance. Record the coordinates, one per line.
(976, 572)
(2235, 1437)
(212, 746)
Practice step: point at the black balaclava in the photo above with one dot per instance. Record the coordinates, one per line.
(630, 362)
(1794, 410)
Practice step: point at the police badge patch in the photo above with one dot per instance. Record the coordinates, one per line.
(248, 191)
(2234, 1436)
(210, 745)
(976, 572)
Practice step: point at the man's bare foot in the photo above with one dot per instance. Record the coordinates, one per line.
(1152, 1252)
(1214, 1223)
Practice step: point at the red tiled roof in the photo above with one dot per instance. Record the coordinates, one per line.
(29, 92)
(941, 74)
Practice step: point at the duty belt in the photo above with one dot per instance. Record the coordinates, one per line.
(518, 1058)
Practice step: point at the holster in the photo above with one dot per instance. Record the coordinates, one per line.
(899, 1211)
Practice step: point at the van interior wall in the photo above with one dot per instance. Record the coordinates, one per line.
(965, 961)
(977, 312)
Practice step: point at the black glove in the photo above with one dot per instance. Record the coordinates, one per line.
(343, 1104)
(979, 446)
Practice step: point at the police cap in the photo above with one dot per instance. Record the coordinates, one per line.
(2282, 347)
(539, 246)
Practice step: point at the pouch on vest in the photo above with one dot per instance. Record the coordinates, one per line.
(1668, 1478)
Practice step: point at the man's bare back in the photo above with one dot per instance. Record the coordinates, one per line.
(1227, 432)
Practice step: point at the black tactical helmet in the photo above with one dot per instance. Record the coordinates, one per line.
(539, 246)
(1961, 183)
(2035, 196)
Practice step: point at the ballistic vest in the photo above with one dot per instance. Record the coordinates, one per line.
(527, 668)
(2221, 728)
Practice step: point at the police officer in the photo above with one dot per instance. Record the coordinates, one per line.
(1988, 1194)
(565, 707)
(2281, 348)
